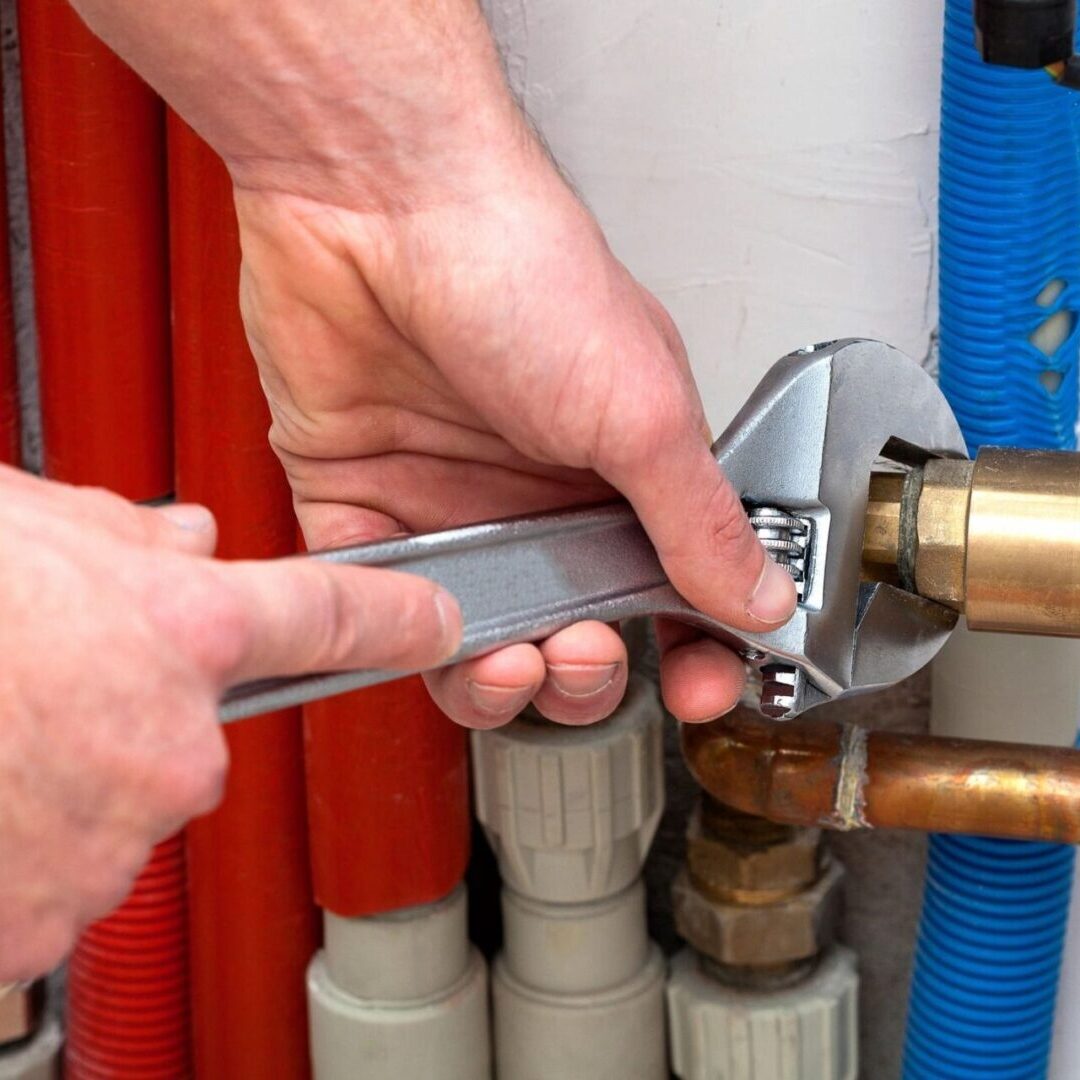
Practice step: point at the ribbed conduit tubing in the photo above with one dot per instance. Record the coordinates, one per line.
(129, 985)
(95, 169)
(994, 911)
(1009, 213)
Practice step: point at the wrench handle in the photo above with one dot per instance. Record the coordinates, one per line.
(516, 580)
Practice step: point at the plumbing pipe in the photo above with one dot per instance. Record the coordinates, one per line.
(127, 988)
(388, 799)
(808, 1031)
(997, 538)
(401, 994)
(762, 992)
(570, 813)
(253, 925)
(1065, 1051)
(9, 389)
(815, 772)
(989, 944)
(578, 991)
(95, 171)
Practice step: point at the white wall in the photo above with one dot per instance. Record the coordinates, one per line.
(767, 167)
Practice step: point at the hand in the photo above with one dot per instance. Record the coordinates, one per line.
(118, 635)
(442, 331)
(484, 355)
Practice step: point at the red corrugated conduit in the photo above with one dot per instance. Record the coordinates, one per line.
(127, 983)
(95, 142)
(253, 923)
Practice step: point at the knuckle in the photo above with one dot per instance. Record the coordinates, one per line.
(728, 526)
(214, 622)
(337, 625)
(109, 508)
(195, 779)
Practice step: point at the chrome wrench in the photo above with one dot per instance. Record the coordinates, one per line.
(804, 444)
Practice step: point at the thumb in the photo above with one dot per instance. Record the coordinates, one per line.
(704, 539)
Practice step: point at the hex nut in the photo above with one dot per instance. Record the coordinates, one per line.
(795, 928)
(941, 531)
(744, 873)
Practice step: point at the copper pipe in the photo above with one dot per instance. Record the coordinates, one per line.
(814, 772)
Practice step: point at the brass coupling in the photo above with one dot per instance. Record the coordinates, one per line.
(997, 538)
(756, 900)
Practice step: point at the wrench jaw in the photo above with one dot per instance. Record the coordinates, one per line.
(807, 441)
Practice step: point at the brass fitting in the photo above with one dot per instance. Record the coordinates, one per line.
(737, 858)
(997, 538)
(758, 900)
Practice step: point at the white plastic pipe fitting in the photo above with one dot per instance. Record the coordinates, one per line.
(571, 811)
(400, 995)
(804, 1032)
(578, 988)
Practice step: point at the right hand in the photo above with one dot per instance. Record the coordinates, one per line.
(118, 636)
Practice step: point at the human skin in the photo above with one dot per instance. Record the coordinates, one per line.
(444, 337)
(442, 332)
(119, 635)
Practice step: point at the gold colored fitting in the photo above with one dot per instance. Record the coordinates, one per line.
(1023, 543)
(881, 537)
(770, 863)
(941, 531)
(997, 539)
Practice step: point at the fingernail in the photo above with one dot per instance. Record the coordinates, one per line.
(189, 516)
(582, 680)
(773, 598)
(715, 716)
(449, 612)
(498, 700)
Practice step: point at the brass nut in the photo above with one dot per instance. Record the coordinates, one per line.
(741, 873)
(793, 929)
(941, 531)
(881, 535)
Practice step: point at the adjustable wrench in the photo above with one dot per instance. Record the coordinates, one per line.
(800, 454)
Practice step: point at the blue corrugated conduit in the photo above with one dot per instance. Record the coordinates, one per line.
(994, 911)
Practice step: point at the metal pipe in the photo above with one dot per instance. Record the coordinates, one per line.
(997, 538)
(814, 772)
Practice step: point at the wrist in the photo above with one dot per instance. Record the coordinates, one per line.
(374, 104)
